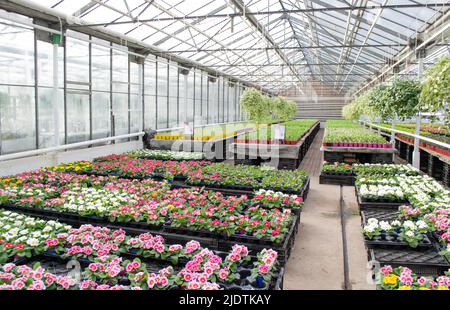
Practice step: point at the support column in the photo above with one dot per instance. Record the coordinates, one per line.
(416, 153)
(393, 127)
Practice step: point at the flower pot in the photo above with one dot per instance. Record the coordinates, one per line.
(260, 281)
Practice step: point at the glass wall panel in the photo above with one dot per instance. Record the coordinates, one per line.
(135, 97)
(183, 88)
(231, 103)
(120, 92)
(101, 115)
(162, 84)
(17, 59)
(213, 102)
(198, 98)
(190, 96)
(17, 122)
(77, 95)
(220, 101)
(173, 95)
(205, 98)
(173, 102)
(17, 101)
(77, 62)
(50, 116)
(226, 101)
(150, 92)
(150, 76)
(150, 112)
(77, 117)
(101, 88)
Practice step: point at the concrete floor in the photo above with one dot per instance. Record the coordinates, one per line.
(316, 260)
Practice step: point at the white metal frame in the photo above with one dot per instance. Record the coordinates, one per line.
(439, 143)
(68, 146)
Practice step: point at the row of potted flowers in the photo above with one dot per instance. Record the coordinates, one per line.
(397, 188)
(254, 177)
(426, 208)
(166, 155)
(149, 202)
(23, 235)
(101, 248)
(127, 167)
(368, 169)
(408, 231)
(353, 137)
(294, 132)
(402, 278)
(196, 172)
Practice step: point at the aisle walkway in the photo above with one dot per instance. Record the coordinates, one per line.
(316, 261)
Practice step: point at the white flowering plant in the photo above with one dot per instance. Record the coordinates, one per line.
(25, 236)
(408, 231)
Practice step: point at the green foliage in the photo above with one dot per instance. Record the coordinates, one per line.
(283, 109)
(255, 105)
(261, 108)
(435, 94)
(383, 101)
(360, 106)
(378, 101)
(402, 98)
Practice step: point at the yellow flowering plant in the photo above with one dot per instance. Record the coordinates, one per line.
(78, 167)
(402, 278)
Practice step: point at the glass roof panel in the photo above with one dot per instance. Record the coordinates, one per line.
(237, 45)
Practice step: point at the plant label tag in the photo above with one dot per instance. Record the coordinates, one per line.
(279, 132)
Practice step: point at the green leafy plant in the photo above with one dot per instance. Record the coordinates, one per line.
(435, 93)
(256, 105)
(402, 98)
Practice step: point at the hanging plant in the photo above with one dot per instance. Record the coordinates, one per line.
(256, 105)
(284, 109)
(361, 106)
(402, 97)
(435, 94)
(379, 101)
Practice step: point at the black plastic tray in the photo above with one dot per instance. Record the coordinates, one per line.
(346, 180)
(383, 242)
(370, 205)
(173, 235)
(381, 215)
(425, 263)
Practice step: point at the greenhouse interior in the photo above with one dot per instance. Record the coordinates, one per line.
(265, 145)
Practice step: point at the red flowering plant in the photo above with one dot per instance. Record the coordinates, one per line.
(270, 224)
(145, 168)
(197, 177)
(112, 158)
(202, 210)
(270, 199)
